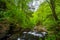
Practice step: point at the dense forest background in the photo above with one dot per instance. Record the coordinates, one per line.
(16, 17)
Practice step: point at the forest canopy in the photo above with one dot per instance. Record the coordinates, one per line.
(17, 13)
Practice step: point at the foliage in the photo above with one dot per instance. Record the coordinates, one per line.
(44, 14)
(16, 13)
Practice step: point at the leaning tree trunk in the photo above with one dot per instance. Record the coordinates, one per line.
(52, 3)
(53, 7)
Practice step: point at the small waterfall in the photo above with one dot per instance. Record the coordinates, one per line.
(18, 39)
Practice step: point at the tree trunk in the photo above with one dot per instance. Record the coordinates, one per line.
(52, 5)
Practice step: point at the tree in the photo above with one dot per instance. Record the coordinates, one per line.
(16, 13)
(53, 7)
(48, 14)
